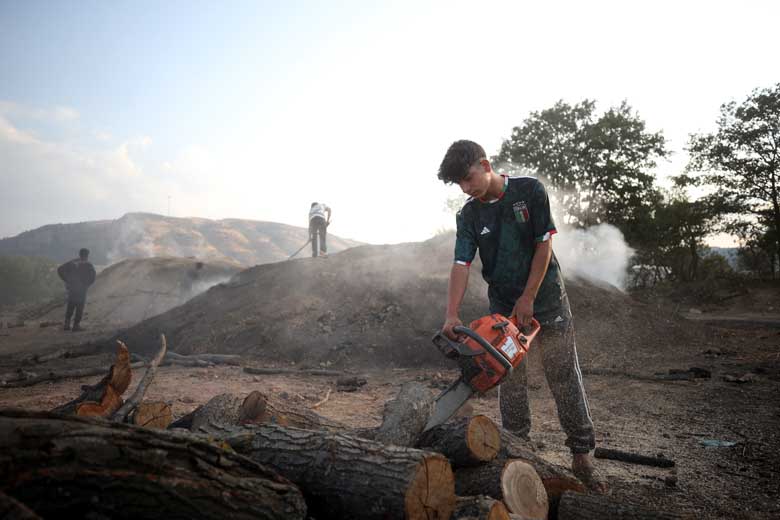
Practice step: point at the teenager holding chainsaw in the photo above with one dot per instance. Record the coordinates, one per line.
(508, 220)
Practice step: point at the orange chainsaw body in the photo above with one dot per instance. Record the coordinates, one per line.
(493, 347)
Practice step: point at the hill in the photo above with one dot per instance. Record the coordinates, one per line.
(144, 235)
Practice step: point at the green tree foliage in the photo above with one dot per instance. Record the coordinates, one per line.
(672, 231)
(598, 166)
(25, 279)
(742, 160)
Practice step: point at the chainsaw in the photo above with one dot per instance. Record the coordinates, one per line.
(492, 348)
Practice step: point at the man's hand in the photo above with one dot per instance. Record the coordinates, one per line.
(524, 310)
(449, 324)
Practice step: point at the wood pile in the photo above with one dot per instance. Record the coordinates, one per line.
(260, 456)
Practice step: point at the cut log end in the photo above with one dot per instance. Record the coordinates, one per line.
(523, 490)
(483, 438)
(431, 494)
(253, 408)
(153, 415)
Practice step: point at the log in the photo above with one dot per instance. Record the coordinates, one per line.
(466, 441)
(405, 417)
(347, 477)
(513, 481)
(480, 507)
(556, 479)
(65, 353)
(71, 467)
(272, 410)
(12, 509)
(102, 400)
(264, 371)
(21, 378)
(350, 383)
(121, 414)
(576, 506)
(214, 359)
(152, 414)
(633, 458)
(259, 408)
(220, 409)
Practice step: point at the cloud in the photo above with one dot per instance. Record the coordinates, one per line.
(48, 181)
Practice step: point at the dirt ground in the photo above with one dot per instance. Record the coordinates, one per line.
(630, 413)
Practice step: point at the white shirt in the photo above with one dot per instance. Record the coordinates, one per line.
(319, 210)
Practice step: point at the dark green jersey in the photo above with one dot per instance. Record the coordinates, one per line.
(506, 232)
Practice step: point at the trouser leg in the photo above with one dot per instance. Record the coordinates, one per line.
(323, 238)
(513, 402)
(79, 313)
(562, 371)
(69, 311)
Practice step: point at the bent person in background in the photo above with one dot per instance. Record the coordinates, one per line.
(318, 228)
(78, 274)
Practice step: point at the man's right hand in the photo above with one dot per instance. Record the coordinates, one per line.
(449, 324)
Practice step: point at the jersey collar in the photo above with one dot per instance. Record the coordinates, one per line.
(500, 195)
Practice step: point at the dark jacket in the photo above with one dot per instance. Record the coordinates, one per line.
(78, 275)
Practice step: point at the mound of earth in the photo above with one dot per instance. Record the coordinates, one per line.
(136, 289)
(379, 306)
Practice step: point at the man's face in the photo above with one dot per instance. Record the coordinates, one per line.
(477, 180)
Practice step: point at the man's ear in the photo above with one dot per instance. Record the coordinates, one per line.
(486, 165)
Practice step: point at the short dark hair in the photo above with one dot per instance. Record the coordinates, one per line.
(460, 156)
(83, 252)
(313, 204)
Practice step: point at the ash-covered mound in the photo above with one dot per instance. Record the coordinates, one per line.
(375, 306)
(133, 290)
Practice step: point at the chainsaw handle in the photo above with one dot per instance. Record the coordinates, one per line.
(490, 349)
(529, 333)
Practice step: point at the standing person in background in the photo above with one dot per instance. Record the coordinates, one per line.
(78, 274)
(318, 228)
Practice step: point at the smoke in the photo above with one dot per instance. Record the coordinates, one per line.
(599, 253)
(131, 239)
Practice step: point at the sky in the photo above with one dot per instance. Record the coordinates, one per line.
(256, 109)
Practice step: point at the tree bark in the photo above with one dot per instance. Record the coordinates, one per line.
(480, 508)
(215, 359)
(348, 477)
(466, 441)
(294, 371)
(256, 408)
(634, 458)
(576, 506)
(69, 467)
(405, 417)
(513, 481)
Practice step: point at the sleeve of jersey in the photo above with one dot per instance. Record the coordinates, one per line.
(465, 241)
(541, 217)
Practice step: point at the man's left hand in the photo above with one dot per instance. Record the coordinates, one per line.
(524, 310)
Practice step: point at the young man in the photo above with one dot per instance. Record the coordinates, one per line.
(508, 220)
(78, 274)
(318, 228)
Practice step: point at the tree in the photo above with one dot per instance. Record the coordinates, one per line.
(742, 161)
(598, 167)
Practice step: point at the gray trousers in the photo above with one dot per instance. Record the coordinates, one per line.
(562, 370)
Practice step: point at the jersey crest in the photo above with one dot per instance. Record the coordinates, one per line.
(520, 209)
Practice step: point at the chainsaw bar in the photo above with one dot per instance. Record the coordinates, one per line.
(448, 403)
